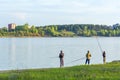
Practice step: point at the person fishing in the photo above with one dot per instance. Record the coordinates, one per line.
(61, 56)
(103, 52)
(88, 56)
(104, 57)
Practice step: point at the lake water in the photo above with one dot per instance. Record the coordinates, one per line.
(25, 53)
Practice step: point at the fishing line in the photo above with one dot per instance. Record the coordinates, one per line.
(76, 60)
(54, 57)
(99, 45)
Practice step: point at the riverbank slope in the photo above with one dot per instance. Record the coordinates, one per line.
(110, 71)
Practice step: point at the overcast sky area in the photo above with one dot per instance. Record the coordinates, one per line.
(52, 12)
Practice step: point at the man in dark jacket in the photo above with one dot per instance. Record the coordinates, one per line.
(104, 57)
(61, 56)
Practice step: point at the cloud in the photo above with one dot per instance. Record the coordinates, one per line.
(61, 11)
(61, 6)
(19, 15)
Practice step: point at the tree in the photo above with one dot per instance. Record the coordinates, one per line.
(93, 32)
(33, 30)
(24, 27)
(4, 29)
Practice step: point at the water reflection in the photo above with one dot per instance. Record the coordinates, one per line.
(20, 53)
(12, 53)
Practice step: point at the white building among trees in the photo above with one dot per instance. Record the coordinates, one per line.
(11, 26)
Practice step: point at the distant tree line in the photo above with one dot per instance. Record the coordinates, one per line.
(86, 30)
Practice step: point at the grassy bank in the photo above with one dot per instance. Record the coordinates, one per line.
(109, 71)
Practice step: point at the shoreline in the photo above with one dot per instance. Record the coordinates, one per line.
(60, 37)
(109, 71)
(9, 70)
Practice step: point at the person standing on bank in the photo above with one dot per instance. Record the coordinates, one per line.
(88, 56)
(61, 56)
(104, 57)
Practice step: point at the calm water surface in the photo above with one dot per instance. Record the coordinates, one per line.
(25, 53)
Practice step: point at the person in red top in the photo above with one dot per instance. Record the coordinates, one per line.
(61, 56)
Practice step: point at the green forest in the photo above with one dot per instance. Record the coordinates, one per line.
(68, 30)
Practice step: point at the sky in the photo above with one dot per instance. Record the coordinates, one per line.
(58, 12)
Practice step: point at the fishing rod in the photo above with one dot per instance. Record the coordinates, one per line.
(76, 60)
(99, 45)
(54, 57)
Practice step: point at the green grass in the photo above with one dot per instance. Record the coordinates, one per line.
(109, 71)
